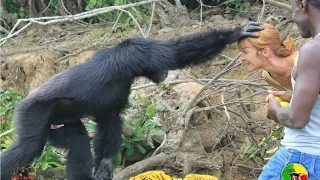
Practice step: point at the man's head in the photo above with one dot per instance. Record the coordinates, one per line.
(303, 13)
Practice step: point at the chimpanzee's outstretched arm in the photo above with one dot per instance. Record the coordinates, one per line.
(200, 47)
(152, 55)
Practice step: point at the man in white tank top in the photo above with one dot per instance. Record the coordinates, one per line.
(299, 155)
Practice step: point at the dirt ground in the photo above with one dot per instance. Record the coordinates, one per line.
(31, 58)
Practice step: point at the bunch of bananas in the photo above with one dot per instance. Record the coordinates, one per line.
(161, 175)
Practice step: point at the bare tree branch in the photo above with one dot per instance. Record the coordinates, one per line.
(135, 21)
(70, 18)
(243, 82)
(151, 19)
(191, 102)
(279, 4)
(141, 166)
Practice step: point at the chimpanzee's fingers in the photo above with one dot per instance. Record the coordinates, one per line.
(254, 23)
(249, 34)
(254, 28)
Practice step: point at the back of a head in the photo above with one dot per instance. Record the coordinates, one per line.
(315, 3)
(270, 37)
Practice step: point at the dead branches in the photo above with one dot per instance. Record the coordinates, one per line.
(231, 103)
(279, 4)
(225, 70)
(71, 18)
(142, 166)
(221, 80)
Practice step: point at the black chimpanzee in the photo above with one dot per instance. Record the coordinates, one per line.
(100, 88)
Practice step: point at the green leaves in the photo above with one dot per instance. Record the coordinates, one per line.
(8, 100)
(92, 3)
(48, 159)
(145, 127)
(257, 152)
(141, 149)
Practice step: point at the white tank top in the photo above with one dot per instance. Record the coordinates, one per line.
(306, 140)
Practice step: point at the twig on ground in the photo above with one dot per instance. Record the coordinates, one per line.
(262, 11)
(135, 21)
(160, 147)
(231, 102)
(245, 122)
(64, 7)
(46, 7)
(151, 84)
(191, 102)
(116, 22)
(244, 109)
(232, 165)
(7, 132)
(201, 14)
(279, 4)
(151, 19)
(188, 117)
(225, 108)
(249, 167)
(167, 106)
(208, 6)
(224, 129)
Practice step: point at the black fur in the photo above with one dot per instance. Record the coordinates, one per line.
(193, 4)
(100, 88)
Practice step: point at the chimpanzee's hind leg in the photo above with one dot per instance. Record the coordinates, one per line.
(107, 143)
(32, 126)
(74, 137)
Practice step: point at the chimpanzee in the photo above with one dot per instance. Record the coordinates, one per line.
(100, 88)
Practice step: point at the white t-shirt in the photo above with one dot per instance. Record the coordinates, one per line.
(306, 140)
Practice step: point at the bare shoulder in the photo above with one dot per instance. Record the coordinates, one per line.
(312, 47)
(310, 53)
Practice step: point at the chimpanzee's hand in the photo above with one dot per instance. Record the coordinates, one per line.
(105, 170)
(244, 32)
(247, 31)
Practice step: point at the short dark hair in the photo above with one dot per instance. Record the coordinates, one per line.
(315, 3)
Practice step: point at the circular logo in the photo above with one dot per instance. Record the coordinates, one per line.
(294, 171)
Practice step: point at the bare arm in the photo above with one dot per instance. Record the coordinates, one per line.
(305, 93)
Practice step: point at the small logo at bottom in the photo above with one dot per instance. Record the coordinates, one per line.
(22, 172)
(294, 171)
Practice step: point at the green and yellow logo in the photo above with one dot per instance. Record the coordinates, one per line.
(294, 171)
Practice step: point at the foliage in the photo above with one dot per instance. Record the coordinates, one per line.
(124, 20)
(14, 8)
(237, 5)
(256, 152)
(20, 9)
(145, 128)
(8, 100)
(49, 158)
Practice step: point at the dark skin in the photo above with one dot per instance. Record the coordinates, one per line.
(306, 73)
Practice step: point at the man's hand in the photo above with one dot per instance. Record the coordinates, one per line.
(272, 105)
(284, 95)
